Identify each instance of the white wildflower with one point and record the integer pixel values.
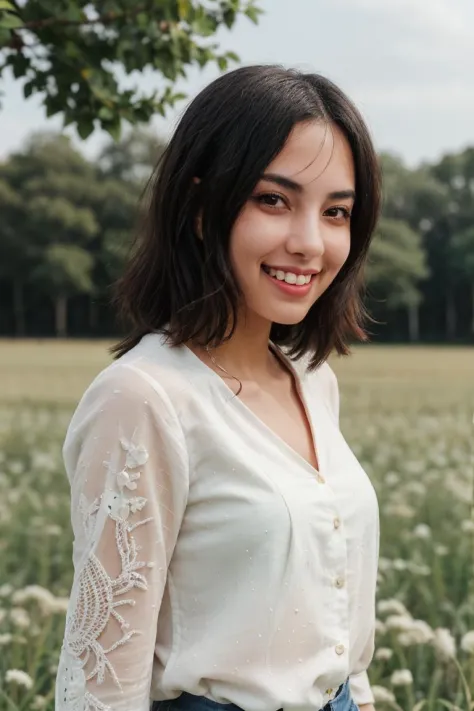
(383, 654)
(382, 694)
(416, 487)
(16, 466)
(38, 703)
(467, 526)
(19, 617)
(393, 606)
(385, 564)
(60, 605)
(400, 564)
(444, 643)
(401, 677)
(441, 550)
(16, 676)
(418, 569)
(399, 622)
(5, 639)
(400, 510)
(6, 590)
(380, 627)
(53, 530)
(422, 531)
(467, 642)
(42, 596)
(420, 633)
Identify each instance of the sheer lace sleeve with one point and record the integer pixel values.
(127, 464)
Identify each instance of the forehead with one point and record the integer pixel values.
(318, 156)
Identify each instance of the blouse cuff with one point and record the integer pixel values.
(360, 689)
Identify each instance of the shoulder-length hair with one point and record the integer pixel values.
(184, 286)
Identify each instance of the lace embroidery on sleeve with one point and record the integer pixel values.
(94, 598)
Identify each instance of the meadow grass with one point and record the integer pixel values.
(408, 415)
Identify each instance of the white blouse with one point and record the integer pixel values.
(209, 556)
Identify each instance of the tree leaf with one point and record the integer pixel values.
(253, 14)
(28, 88)
(10, 22)
(6, 5)
(114, 129)
(85, 128)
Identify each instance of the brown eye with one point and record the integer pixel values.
(338, 213)
(270, 200)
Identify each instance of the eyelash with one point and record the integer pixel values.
(261, 200)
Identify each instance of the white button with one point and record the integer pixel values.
(337, 522)
(321, 479)
(339, 582)
(340, 649)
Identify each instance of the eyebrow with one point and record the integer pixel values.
(290, 184)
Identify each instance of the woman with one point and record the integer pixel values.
(226, 538)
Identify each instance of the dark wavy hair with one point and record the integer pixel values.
(185, 287)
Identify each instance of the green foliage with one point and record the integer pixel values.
(65, 269)
(463, 248)
(64, 219)
(397, 264)
(73, 52)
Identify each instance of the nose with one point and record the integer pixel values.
(306, 238)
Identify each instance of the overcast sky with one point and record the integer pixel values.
(408, 64)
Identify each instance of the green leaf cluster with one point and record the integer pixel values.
(74, 52)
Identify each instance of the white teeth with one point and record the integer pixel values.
(289, 277)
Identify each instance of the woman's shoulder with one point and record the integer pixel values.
(152, 371)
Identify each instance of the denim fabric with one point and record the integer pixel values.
(188, 702)
(343, 700)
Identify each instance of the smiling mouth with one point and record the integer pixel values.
(288, 277)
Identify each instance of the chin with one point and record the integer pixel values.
(287, 317)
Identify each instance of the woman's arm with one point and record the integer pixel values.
(126, 460)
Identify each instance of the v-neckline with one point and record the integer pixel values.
(283, 444)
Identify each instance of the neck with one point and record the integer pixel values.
(246, 354)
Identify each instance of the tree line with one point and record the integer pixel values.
(66, 226)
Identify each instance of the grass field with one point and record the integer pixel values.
(407, 413)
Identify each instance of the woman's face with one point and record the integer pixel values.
(293, 235)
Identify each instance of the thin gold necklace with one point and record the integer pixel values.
(220, 367)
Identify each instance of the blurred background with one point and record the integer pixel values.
(90, 93)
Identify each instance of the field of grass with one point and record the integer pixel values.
(408, 415)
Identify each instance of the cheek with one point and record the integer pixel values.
(337, 251)
(255, 234)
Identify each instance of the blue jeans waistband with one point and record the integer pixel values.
(189, 702)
